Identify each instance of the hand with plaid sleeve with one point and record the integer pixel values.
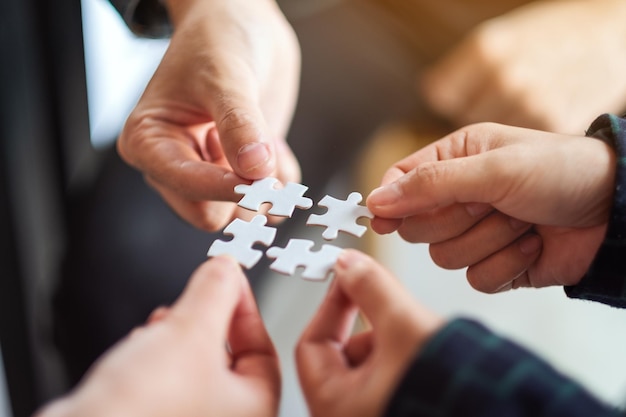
(518, 207)
(411, 364)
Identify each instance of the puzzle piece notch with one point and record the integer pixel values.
(245, 234)
(317, 265)
(284, 200)
(341, 216)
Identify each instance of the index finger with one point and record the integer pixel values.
(468, 141)
(243, 131)
(456, 169)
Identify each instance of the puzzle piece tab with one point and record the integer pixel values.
(284, 200)
(341, 216)
(317, 265)
(245, 234)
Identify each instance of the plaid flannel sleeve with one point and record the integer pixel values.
(145, 18)
(605, 281)
(466, 370)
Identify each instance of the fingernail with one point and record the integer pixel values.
(227, 258)
(253, 156)
(347, 258)
(386, 195)
(477, 209)
(506, 287)
(530, 244)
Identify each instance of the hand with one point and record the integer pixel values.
(217, 109)
(344, 375)
(548, 65)
(179, 365)
(519, 207)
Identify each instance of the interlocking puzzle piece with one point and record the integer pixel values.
(245, 234)
(284, 200)
(317, 265)
(341, 216)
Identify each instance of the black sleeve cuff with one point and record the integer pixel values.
(605, 281)
(466, 370)
(145, 18)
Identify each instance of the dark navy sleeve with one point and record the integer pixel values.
(145, 18)
(606, 279)
(468, 371)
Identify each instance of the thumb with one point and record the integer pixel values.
(456, 169)
(436, 184)
(211, 297)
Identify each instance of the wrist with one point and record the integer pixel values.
(92, 401)
(605, 280)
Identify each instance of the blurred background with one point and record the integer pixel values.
(83, 269)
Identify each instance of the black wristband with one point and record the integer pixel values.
(605, 281)
(145, 18)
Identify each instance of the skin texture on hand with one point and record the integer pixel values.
(355, 375)
(550, 65)
(217, 109)
(518, 207)
(179, 365)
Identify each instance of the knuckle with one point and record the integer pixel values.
(474, 281)
(479, 281)
(126, 139)
(409, 235)
(441, 256)
(234, 118)
(489, 41)
(300, 352)
(429, 174)
(136, 132)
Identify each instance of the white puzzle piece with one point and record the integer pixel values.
(284, 200)
(341, 216)
(245, 234)
(317, 265)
